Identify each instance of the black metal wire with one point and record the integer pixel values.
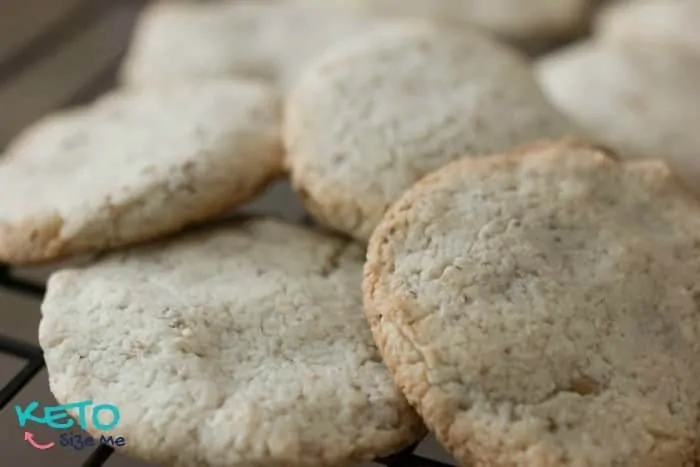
(395, 459)
(407, 458)
(19, 285)
(21, 379)
(99, 456)
(77, 20)
(414, 460)
(19, 349)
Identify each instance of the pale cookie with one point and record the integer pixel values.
(245, 344)
(265, 40)
(531, 22)
(540, 308)
(376, 113)
(642, 102)
(673, 22)
(135, 165)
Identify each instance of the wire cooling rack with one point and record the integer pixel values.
(79, 19)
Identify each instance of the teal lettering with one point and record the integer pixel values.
(53, 414)
(58, 417)
(105, 426)
(82, 413)
(24, 415)
(120, 441)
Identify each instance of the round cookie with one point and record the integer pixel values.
(265, 40)
(673, 22)
(540, 308)
(375, 113)
(135, 165)
(642, 102)
(528, 23)
(246, 344)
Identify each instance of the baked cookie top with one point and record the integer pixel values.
(541, 308)
(375, 113)
(641, 101)
(175, 42)
(135, 165)
(673, 22)
(245, 343)
(514, 20)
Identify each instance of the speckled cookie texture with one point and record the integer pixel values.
(246, 344)
(135, 165)
(375, 113)
(176, 42)
(641, 101)
(526, 23)
(540, 308)
(673, 22)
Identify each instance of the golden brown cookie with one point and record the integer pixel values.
(375, 113)
(540, 308)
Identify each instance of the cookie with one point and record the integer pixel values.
(175, 42)
(246, 343)
(377, 112)
(135, 165)
(540, 308)
(531, 24)
(673, 22)
(641, 102)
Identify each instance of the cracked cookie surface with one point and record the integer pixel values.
(540, 308)
(374, 114)
(244, 342)
(135, 165)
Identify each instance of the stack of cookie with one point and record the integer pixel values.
(480, 268)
